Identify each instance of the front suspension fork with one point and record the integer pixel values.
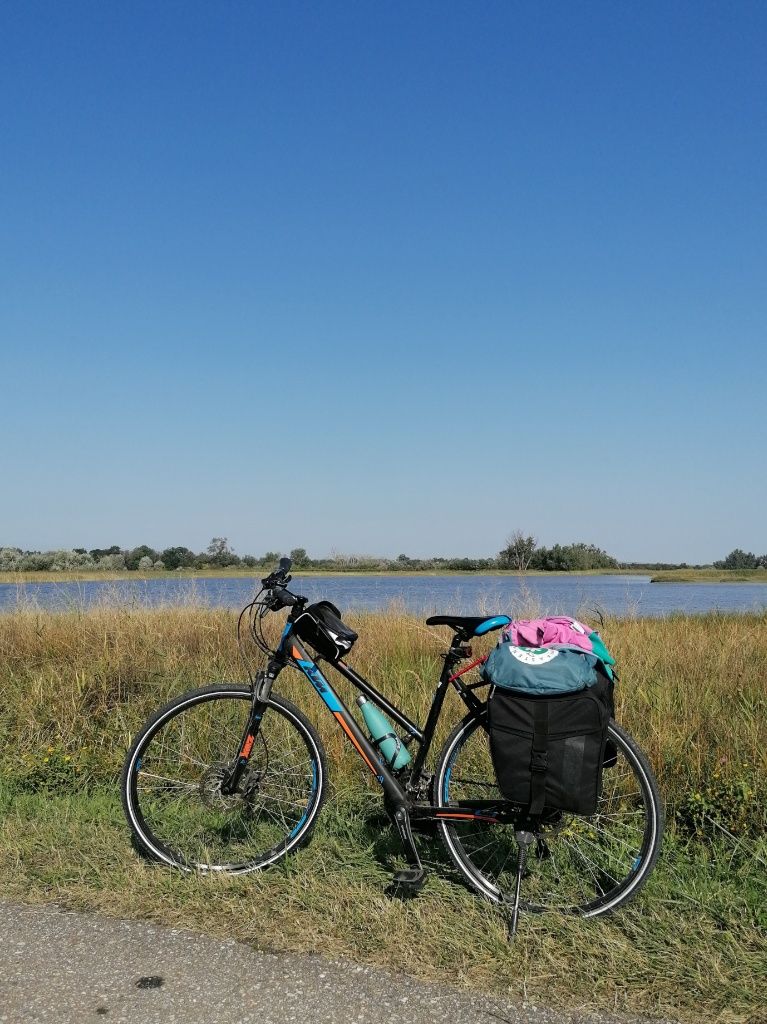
(261, 691)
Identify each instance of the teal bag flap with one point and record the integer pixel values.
(541, 671)
(602, 653)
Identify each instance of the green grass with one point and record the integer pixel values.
(710, 576)
(693, 946)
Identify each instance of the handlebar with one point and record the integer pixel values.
(280, 577)
(283, 599)
(276, 583)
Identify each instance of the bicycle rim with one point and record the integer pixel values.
(172, 783)
(586, 866)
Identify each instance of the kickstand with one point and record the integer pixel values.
(410, 881)
(524, 839)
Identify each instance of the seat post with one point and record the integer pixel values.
(454, 654)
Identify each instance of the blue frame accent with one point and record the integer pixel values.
(320, 684)
(448, 773)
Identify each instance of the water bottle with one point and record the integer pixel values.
(394, 751)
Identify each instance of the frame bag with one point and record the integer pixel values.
(549, 751)
(320, 625)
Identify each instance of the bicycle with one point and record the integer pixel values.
(232, 778)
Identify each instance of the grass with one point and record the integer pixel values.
(711, 576)
(78, 685)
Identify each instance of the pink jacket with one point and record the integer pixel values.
(546, 632)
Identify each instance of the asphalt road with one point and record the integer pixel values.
(64, 967)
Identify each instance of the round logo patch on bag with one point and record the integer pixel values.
(532, 655)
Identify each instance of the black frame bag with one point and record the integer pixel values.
(320, 625)
(548, 752)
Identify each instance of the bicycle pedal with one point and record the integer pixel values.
(407, 883)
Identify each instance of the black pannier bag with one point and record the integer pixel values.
(320, 625)
(548, 752)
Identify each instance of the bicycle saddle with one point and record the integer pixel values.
(471, 625)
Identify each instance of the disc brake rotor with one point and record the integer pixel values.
(247, 788)
(210, 790)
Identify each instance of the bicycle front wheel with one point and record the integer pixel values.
(578, 865)
(172, 782)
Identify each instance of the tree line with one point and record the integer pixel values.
(739, 559)
(521, 553)
(143, 558)
(218, 555)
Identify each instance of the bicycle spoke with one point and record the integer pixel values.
(184, 763)
(579, 863)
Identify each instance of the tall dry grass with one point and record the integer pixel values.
(77, 685)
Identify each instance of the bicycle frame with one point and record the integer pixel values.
(292, 651)
(398, 798)
(606, 858)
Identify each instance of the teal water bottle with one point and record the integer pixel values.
(386, 740)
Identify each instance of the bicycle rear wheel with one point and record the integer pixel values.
(171, 784)
(587, 866)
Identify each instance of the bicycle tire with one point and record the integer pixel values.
(585, 866)
(171, 792)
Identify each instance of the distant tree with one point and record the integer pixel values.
(220, 553)
(10, 559)
(404, 559)
(111, 563)
(249, 561)
(134, 556)
(572, 558)
(97, 553)
(465, 564)
(519, 551)
(299, 557)
(738, 559)
(177, 558)
(271, 557)
(67, 559)
(219, 546)
(145, 563)
(159, 564)
(32, 561)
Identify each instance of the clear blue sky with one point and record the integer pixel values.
(384, 277)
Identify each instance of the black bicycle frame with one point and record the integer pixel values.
(396, 796)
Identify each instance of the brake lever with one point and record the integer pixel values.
(276, 579)
(280, 599)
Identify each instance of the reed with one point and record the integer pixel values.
(78, 685)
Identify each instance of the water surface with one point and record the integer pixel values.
(422, 595)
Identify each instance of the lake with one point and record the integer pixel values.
(422, 595)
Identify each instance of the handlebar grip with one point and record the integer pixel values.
(282, 599)
(279, 575)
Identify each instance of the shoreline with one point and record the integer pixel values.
(45, 576)
(758, 576)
